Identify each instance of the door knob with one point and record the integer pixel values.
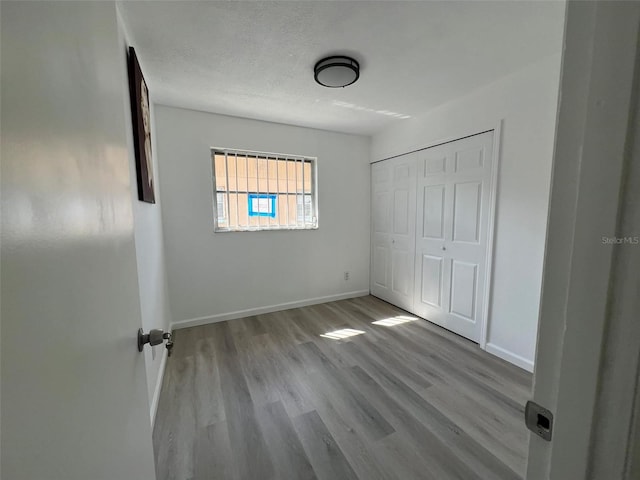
(444, 248)
(155, 337)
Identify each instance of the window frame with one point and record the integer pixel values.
(271, 156)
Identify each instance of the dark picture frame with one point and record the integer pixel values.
(141, 119)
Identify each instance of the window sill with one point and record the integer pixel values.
(278, 229)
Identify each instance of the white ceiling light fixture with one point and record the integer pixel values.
(336, 71)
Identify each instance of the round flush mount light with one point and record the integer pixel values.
(336, 71)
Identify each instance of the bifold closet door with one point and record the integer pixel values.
(393, 192)
(453, 195)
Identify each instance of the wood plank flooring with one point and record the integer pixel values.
(267, 397)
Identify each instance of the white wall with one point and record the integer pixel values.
(217, 274)
(150, 258)
(527, 101)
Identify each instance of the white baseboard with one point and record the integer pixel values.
(221, 317)
(156, 391)
(509, 356)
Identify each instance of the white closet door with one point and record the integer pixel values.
(381, 192)
(453, 194)
(393, 229)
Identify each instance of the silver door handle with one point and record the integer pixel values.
(155, 337)
(444, 248)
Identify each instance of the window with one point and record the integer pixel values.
(304, 209)
(263, 191)
(262, 205)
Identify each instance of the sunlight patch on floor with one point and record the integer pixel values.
(390, 322)
(341, 334)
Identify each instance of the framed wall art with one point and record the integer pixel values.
(141, 119)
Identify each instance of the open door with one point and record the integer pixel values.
(74, 394)
(588, 349)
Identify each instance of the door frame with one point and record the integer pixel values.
(491, 227)
(587, 357)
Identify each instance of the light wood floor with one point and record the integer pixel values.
(267, 397)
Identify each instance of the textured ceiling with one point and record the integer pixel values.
(255, 59)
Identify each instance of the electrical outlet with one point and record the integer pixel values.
(346, 276)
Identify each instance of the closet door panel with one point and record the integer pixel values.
(454, 182)
(381, 219)
(393, 192)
